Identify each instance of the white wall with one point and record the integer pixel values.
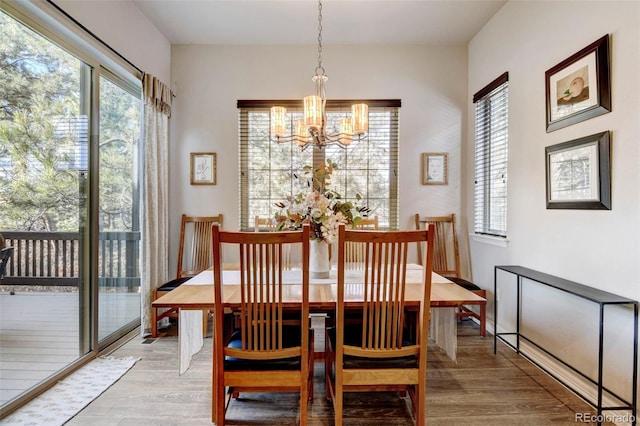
(208, 80)
(598, 248)
(123, 27)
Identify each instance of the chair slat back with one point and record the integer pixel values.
(262, 290)
(292, 253)
(261, 296)
(370, 223)
(292, 256)
(384, 284)
(354, 254)
(5, 254)
(446, 257)
(264, 224)
(194, 253)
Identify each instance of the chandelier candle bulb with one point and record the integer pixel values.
(279, 121)
(313, 111)
(360, 117)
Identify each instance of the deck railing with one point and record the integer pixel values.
(52, 259)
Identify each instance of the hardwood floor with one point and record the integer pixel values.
(480, 389)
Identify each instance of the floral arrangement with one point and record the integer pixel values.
(321, 207)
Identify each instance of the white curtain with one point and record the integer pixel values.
(155, 220)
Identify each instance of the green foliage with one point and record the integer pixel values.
(43, 140)
(119, 134)
(39, 84)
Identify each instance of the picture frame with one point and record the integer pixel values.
(578, 173)
(579, 88)
(203, 168)
(435, 168)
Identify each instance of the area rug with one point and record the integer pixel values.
(64, 400)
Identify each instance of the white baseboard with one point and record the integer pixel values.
(574, 382)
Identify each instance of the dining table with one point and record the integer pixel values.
(195, 296)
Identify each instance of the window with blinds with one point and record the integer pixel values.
(271, 171)
(492, 137)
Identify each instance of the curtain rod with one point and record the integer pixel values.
(94, 36)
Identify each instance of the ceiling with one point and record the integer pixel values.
(250, 22)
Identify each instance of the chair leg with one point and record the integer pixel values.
(337, 404)
(304, 400)
(154, 318)
(420, 389)
(205, 322)
(328, 365)
(464, 311)
(219, 403)
(483, 314)
(312, 364)
(420, 404)
(333, 383)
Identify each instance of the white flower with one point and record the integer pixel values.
(324, 210)
(330, 226)
(323, 203)
(316, 214)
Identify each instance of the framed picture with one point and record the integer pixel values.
(434, 168)
(578, 88)
(203, 168)
(579, 173)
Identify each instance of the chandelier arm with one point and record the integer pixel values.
(320, 142)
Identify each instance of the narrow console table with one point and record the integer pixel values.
(602, 298)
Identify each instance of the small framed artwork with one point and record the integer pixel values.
(203, 168)
(579, 173)
(434, 168)
(579, 88)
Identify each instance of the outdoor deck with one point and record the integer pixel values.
(40, 334)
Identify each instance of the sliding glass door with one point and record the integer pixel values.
(44, 171)
(69, 207)
(118, 217)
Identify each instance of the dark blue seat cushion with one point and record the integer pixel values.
(353, 337)
(290, 339)
(173, 284)
(464, 283)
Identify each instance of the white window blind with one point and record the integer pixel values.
(269, 171)
(492, 137)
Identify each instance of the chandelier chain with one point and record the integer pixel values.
(320, 69)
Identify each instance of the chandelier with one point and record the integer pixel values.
(312, 130)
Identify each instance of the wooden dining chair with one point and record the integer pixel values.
(446, 262)
(5, 255)
(292, 255)
(367, 223)
(271, 349)
(264, 224)
(194, 256)
(376, 353)
(354, 254)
